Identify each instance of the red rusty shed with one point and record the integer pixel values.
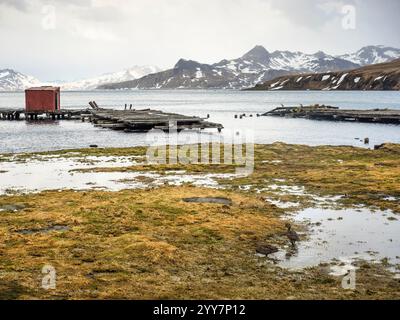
(42, 99)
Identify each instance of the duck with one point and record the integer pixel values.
(266, 249)
(291, 234)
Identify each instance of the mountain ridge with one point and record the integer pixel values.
(255, 66)
(372, 55)
(11, 80)
(381, 76)
(131, 73)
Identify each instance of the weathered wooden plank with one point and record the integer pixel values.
(129, 120)
(147, 119)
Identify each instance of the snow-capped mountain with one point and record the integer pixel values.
(11, 80)
(263, 64)
(124, 75)
(259, 59)
(256, 66)
(372, 55)
(381, 76)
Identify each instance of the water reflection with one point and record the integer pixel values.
(343, 235)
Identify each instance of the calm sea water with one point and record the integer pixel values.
(221, 105)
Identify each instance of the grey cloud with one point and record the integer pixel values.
(95, 37)
(21, 5)
(26, 5)
(309, 13)
(101, 14)
(379, 13)
(315, 13)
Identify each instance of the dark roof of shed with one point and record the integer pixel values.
(44, 88)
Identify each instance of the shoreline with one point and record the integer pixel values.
(144, 241)
(222, 107)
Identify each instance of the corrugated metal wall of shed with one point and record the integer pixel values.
(42, 99)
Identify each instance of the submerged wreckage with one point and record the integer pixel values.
(131, 120)
(44, 103)
(128, 119)
(318, 112)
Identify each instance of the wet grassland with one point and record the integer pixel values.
(146, 240)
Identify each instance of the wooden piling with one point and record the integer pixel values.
(127, 120)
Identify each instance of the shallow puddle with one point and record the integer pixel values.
(50, 173)
(283, 204)
(44, 230)
(287, 189)
(343, 235)
(11, 207)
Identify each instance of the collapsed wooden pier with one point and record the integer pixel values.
(330, 113)
(128, 120)
(146, 120)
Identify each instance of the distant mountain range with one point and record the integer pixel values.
(125, 75)
(382, 76)
(11, 80)
(256, 66)
(372, 55)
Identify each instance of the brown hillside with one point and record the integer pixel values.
(383, 76)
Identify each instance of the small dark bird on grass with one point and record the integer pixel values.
(292, 235)
(266, 249)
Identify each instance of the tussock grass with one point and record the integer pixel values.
(143, 244)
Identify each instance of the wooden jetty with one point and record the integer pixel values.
(131, 120)
(330, 113)
(128, 120)
(21, 114)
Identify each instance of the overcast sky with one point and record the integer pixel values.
(68, 40)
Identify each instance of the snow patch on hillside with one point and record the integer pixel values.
(11, 80)
(120, 76)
